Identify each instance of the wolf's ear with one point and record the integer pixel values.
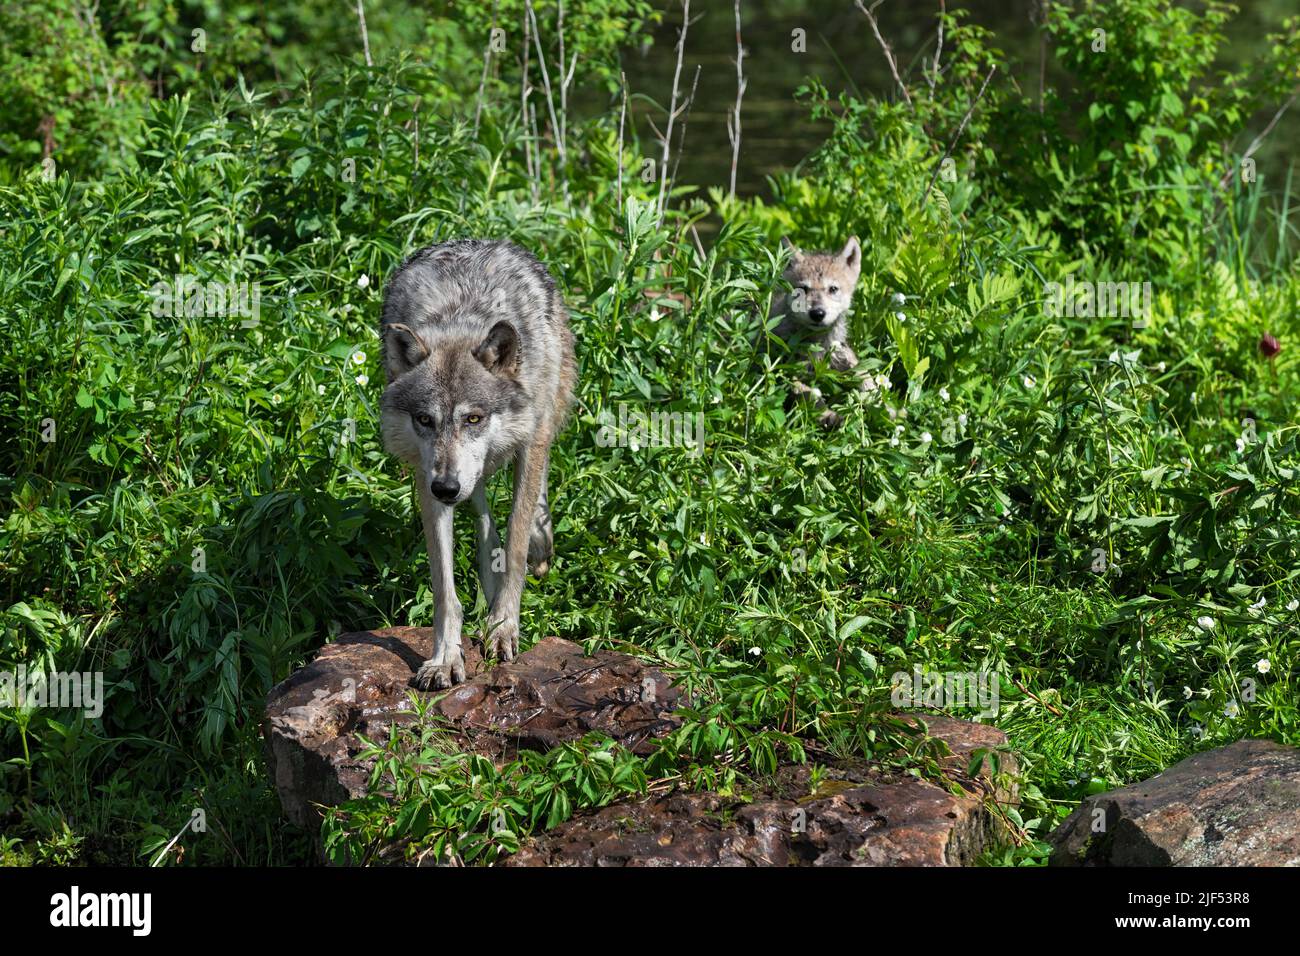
(499, 352)
(403, 348)
(852, 253)
(795, 254)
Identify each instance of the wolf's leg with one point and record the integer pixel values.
(503, 619)
(487, 545)
(829, 418)
(447, 665)
(541, 540)
(843, 358)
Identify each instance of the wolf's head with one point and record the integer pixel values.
(453, 408)
(821, 283)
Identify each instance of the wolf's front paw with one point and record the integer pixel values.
(830, 419)
(503, 639)
(439, 674)
(843, 358)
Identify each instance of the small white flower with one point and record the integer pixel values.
(1231, 709)
(755, 652)
(1193, 398)
(1187, 692)
(901, 316)
(926, 438)
(961, 419)
(1241, 445)
(1030, 381)
(1260, 604)
(363, 379)
(358, 357)
(363, 282)
(882, 380)
(1293, 604)
(1160, 367)
(943, 394)
(320, 389)
(1197, 731)
(899, 298)
(277, 398)
(1263, 666)
(1205, 623)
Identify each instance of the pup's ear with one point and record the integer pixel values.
(795, 254)
(403, 348)
(499, 352)
(852, 253)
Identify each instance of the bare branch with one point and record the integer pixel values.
(365, 35)
(622, 115)
(546, 83)
(487, 59)
(938, 49)
(1259, 140)
(672, 111)
(960, 129)
(889, 54)
(733, 121)
(681, 140)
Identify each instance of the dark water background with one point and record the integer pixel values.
(843, 53)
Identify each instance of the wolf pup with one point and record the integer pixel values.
(479, 360)
(814, 311)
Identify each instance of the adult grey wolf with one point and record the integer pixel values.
(479, 360)
(814, 311)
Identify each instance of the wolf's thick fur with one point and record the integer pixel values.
(480, 367)
(814, 312)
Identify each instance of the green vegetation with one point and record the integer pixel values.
(1047, 494)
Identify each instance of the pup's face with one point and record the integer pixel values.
(821, 284)
(456, 412)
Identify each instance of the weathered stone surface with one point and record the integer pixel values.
(359, 685)
(860, 817)
(1237, 805)
(552, 693)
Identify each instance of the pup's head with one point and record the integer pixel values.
(822, 283)
(454, 410)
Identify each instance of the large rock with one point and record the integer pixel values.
(360, 685)
(859, 816)
(1237, 805)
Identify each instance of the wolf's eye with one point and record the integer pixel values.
(473, 419)
(424, 420)
(834, 290)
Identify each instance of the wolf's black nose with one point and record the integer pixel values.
(445, 489)
(816, 314)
